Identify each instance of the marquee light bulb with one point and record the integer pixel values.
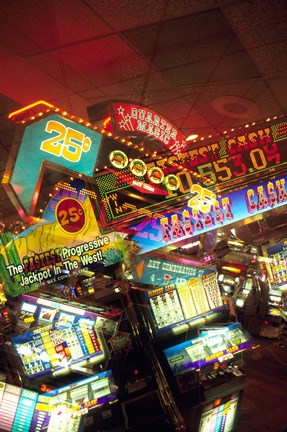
(192, 137)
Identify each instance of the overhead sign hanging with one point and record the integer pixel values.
(51, 142)
(176, 225)
(66, 243)
(127, 118)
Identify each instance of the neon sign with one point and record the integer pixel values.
(176, 225)
(239, 157)
(54, 141)
(129, 117)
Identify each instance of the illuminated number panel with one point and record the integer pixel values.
(231, 161)
(243, 156)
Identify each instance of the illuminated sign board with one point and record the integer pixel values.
(176, 225)
(158, 272)
(255, 150)
(128, 185)
(53, 141)
(129, 117)
(69, 219)
(62, 143)
(125, 197)
(235, 158)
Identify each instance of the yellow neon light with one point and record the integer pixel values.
(40, 102)
(105, 122)
(231, 269)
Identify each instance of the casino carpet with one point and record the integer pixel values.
(264, 402)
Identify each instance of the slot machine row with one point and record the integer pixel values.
(66, 407)
(60, 341)
(54, 344)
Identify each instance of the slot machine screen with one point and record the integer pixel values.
(101, 388)
(47, 315)
(76, 399)
(88, 393)
(220, 415)
(184, 301)
(211, 346)
(66, 320)
(55, 349)
(275, 300)
(49, 416)
(49, 309)
(63, 418)
(27, 313)
(16, 408)
(275, 303)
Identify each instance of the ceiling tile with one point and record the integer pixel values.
(124, 14)
(189, 39)
(54, 68)
(55, 23)
(104, 61)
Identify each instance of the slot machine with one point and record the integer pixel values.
(207, 369)
(175, 296)
(58, 342)
(69, 407)
(186, 325)
(275, 305)
(218, 414)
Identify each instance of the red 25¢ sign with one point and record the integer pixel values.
(70, 215)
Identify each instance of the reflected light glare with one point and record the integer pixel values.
(192, 137)
(190, 245)
(239, 302)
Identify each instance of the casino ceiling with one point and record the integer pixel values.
(206, 65)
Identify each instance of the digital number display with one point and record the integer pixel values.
(124, 195)
(241, 156)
